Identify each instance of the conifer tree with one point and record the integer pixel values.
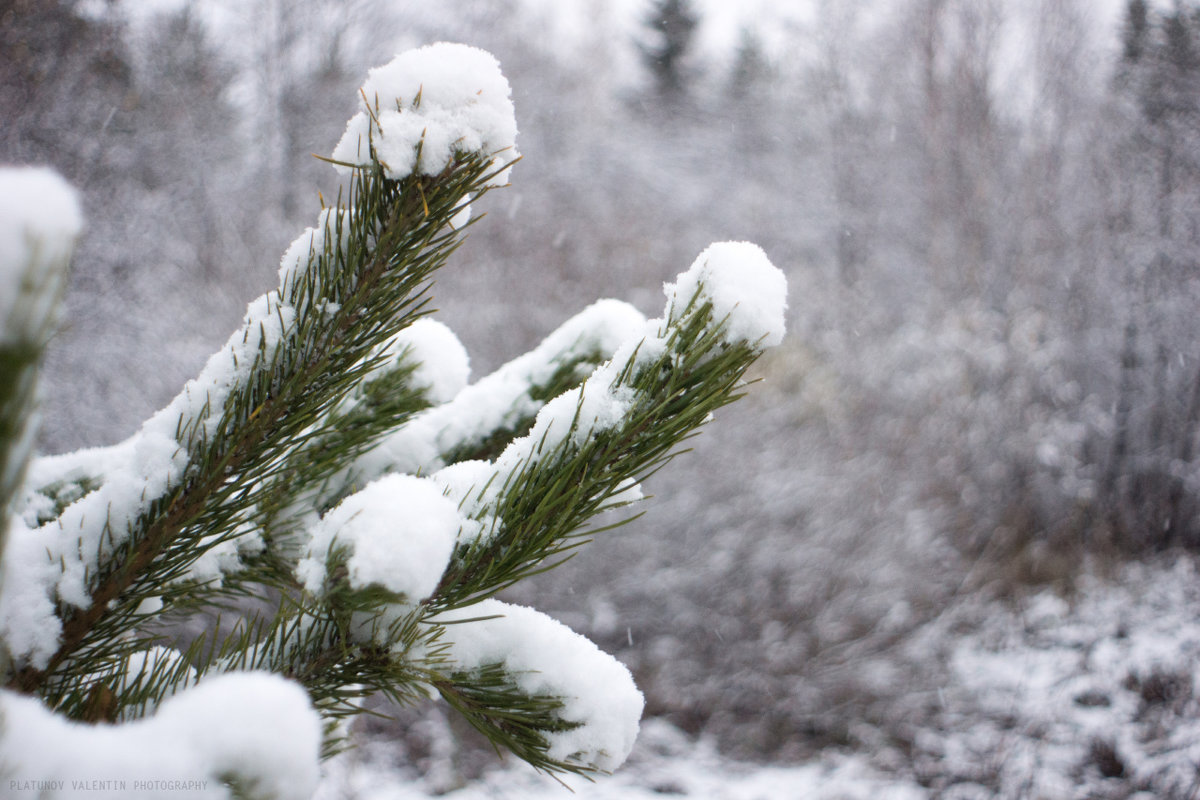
(672, 27)
(331, 457)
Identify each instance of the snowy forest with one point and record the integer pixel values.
(945, 545)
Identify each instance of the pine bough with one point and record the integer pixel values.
(331, 458)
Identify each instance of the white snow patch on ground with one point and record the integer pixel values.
(664, 764)
(1091, 694)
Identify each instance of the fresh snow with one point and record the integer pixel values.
(665, 763)
(459, 101)
(1038, 697)
(54, 561)
(546, 658)
(40, 220)
(1043, 696)
(430, 104)
(502, 398)
(303, 252)
(257, 727)
(223, 556)
(577, 414)
(1047, 694)
(747, 299)
(400, 532)
(442, 362)
(746, 290)
(39, 223)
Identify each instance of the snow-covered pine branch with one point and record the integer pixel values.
(39, 222)
(333, 453)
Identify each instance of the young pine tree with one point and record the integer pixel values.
(331, 459)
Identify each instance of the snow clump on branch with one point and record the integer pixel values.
(747, 292)
(256, 728)
(400, 532)
(546, 658)
(39, 222)
(428, 105)
(442, 363)
(501, 399)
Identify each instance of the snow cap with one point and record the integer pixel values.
(400, 531)
(443, 365)
(40, 220)
(546, 658)
(746, 290)
(443, 99)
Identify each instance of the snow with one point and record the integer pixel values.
(749, 299)
(1034, 688)
(469, 484)
(87, 464)
(463, 479)
(746, 291)
(429, 105)
(400, 531)
(546, 658)
(664, 763)
(28, 624)
(133, 475)
(309, 246)
(139, 667)
(39, 223)
(257, 728)
(40, 219)
(223, 556)
(578, 414)
(55, 561)
(503, 398)
(442, 362)
(1031, 692)
(747, 296)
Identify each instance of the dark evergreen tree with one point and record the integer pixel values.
(672, 27)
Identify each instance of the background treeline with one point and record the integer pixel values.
(990, 216)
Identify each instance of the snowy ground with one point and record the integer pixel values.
(1092, 695)
(1085, 695)
(664, 764)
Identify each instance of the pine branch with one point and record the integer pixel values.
(511, 719)
(377, 281)
(556, 487)
(39, 239)
(482, 419)
(311, 462)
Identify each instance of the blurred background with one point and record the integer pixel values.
(987, 211)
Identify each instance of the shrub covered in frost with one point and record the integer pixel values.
(332, 456)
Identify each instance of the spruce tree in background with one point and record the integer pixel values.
(672, 25)
(331, 456)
